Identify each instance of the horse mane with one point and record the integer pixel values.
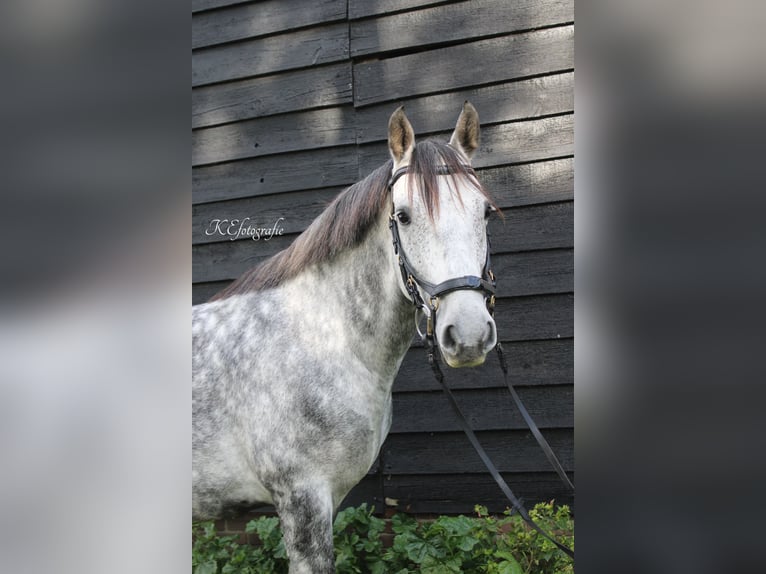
(349, 217)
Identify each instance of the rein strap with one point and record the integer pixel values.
(486, 284)
(516, 504)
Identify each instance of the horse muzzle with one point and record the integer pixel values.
(465, 333)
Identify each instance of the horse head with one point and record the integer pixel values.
(439, 220)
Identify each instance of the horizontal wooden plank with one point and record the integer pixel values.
(544, 226)
(200, 5)
(337, 166)
(250, 20)
(364, 8)
(526, 141)
(211, 261)
(534, 272)
(538, 317)
(475, 63)
(459, 493)
(455, 22)
(536, 227)
(501, 144)
(546, 95)
(295, 210)
(451, 453)
(484, 409)
(320, 86)
(298, 131)
(263, 56)
(530, 183)
(549, 362)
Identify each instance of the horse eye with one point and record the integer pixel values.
(488, 211)
(402, 217)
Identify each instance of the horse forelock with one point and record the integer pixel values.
(349, 217)
(428, 160)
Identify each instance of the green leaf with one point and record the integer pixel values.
(466, 544)
(510, 567)
(209, 567)
(416, 551)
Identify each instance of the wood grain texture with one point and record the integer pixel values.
(484, 409)
(319, 86)
(538, 317)
(499, 103)
(200, 5)
(242, 21)
(314, 129)
(418, 29)
(263, 56)
(364, 8)
(545, 226)
(534, 272)
(531, 183)
(337, 166)
(501, 144)
(451, 453)
(475, 63)
(297, 209)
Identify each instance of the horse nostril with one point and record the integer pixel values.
(449, 340)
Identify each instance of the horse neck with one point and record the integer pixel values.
(358, 291)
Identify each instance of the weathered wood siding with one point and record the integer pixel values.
(290, 103)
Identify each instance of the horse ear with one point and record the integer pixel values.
(401, 137)
(466, 135)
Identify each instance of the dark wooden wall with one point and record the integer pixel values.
(290, 104)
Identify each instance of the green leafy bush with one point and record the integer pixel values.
(464, 545)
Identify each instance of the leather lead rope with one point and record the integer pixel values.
(517, 504)
(531, 423)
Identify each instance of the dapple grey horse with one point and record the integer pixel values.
(294, 362)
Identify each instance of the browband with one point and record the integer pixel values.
(440, 170)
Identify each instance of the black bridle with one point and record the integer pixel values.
(413, 283)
